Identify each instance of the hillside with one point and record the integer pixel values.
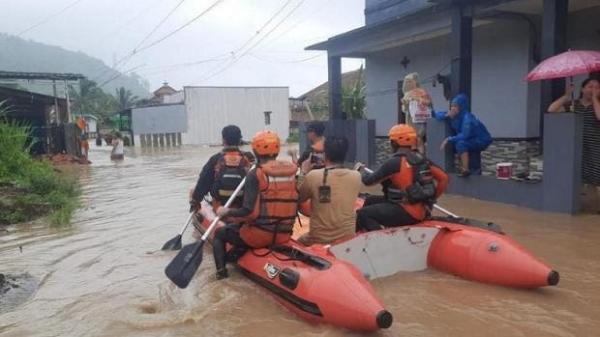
(17, 54)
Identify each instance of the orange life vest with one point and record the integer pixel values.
(278, 197)
(405, 182)
(272, 220)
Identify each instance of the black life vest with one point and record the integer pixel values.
(413, 186)
(231, 167)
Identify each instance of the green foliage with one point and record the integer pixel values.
(294, 136)
(353, 98)
(125, 99)
(90, 99)
(30, 188)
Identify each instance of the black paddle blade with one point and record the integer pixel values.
(173, 244)
(182, 268)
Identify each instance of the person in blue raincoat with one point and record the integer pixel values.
(470, 135)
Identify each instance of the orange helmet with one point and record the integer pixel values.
(266, 143)
(403, 135)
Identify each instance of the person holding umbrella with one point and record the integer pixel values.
(566, 65)
(587, 105)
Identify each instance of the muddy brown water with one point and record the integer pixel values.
(103, 275)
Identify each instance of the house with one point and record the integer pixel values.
(48, 116)
(314, 103)
(197, 115)
(485, 48)
(160, 93)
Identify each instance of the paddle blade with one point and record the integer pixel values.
(182, 268)
(173, 244)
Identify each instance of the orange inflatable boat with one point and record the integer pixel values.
(312, 283)
(470, 249)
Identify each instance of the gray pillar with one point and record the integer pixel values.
(334, 66)
(168, 139)
(161, 139)
(178, 138)
(155, 140)
(437, 131)
(461, 49)
(554, 41)
(562, 164)
(59, 119)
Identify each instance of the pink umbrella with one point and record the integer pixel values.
(567, 64)
(570, 63)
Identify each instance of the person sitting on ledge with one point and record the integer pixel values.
(470, 138)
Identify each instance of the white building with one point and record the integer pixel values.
(92, 125)
(209, 109)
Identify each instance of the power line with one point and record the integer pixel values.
(138, 50)
(133, 19)
(159, 24)
(263, 26)
(204, 12)
(287, 61)
(127, 57)
(255, 44)
(173, 67)
(119, 75)
(221, 57)
(258, 31)
(48, 18)
(297, 23)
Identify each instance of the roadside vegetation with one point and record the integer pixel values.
(30, 188)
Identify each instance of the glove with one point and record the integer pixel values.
(359, 166)
(194, 205)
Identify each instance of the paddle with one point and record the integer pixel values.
(184, 265)
(175, 243)
(439, 208)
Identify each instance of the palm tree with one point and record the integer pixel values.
(125, 99)
(90, 99)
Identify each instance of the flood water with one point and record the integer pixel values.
(103, 275)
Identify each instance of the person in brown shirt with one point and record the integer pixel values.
(332, 191)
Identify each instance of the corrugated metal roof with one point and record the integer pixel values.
(40, 76)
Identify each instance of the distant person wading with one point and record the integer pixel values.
(118, 151)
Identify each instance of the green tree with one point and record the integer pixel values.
(90, 99)
(353, 98)
(125, 99)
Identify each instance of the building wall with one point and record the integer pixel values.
(92, 125)
(209, 109)
(177, 97)
(501, 52)
(159, 119)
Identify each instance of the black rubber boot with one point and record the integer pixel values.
(222, 274)
(235, 253)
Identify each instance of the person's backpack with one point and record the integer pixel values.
(230, 169)
(423, 186)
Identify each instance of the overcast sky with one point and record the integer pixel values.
(111, 29)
